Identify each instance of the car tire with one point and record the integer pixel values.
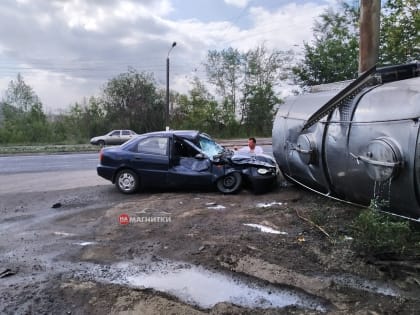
(127, 181)
(101, 143)
(230, 183)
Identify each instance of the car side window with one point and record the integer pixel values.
(115, 133)
(153, 145)
(126, 132)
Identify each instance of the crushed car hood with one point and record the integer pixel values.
(257, 160)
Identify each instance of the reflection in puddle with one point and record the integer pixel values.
(198, 286)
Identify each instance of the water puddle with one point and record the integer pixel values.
(59, 233)
(218, 207)
(84, 243)
(214, 206)
(270, 204)
(198, 286)
(265, 229)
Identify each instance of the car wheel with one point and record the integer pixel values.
(127, 181)
(101, 143)
(230, 183)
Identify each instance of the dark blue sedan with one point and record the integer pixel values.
(189, 159)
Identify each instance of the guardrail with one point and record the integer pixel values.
(230, 143)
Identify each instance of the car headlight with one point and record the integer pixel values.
(263, 171)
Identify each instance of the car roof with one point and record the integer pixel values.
(186, 134)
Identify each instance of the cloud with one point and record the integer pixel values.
(290, 24)
(68, 49)
(237, 3)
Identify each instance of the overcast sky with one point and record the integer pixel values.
(68, 49)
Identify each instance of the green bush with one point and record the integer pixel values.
(377, 233)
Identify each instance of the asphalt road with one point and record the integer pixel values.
(16, 164)
(48, 172)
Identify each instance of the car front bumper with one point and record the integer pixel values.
(261, 183)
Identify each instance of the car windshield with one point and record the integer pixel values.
(209, 147)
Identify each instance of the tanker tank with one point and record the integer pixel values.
(359, 145)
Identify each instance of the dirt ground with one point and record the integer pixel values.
(66, 252)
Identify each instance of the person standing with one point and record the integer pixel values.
(252, 147)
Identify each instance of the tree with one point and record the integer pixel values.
(94, 117)
(333, 54)
(23, 118)
(81, 122)
(131, 101)
(246, 80)
(198, 110)
(263, 71)
(261, 101)
(20, 95)
(399, 36)
(224, 71)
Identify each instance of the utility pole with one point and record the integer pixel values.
(370, 11)
(167, 88)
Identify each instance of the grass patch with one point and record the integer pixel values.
(48, 148)
(377, 233)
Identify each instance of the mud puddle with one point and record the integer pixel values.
(198, 286)
(194, 285)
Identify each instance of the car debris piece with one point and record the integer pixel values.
(7, 273)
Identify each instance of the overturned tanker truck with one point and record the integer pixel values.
(359, 145)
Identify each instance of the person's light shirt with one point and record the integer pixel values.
(248, 150)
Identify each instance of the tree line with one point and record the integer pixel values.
(246, 85)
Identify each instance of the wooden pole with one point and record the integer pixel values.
(370, 11)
